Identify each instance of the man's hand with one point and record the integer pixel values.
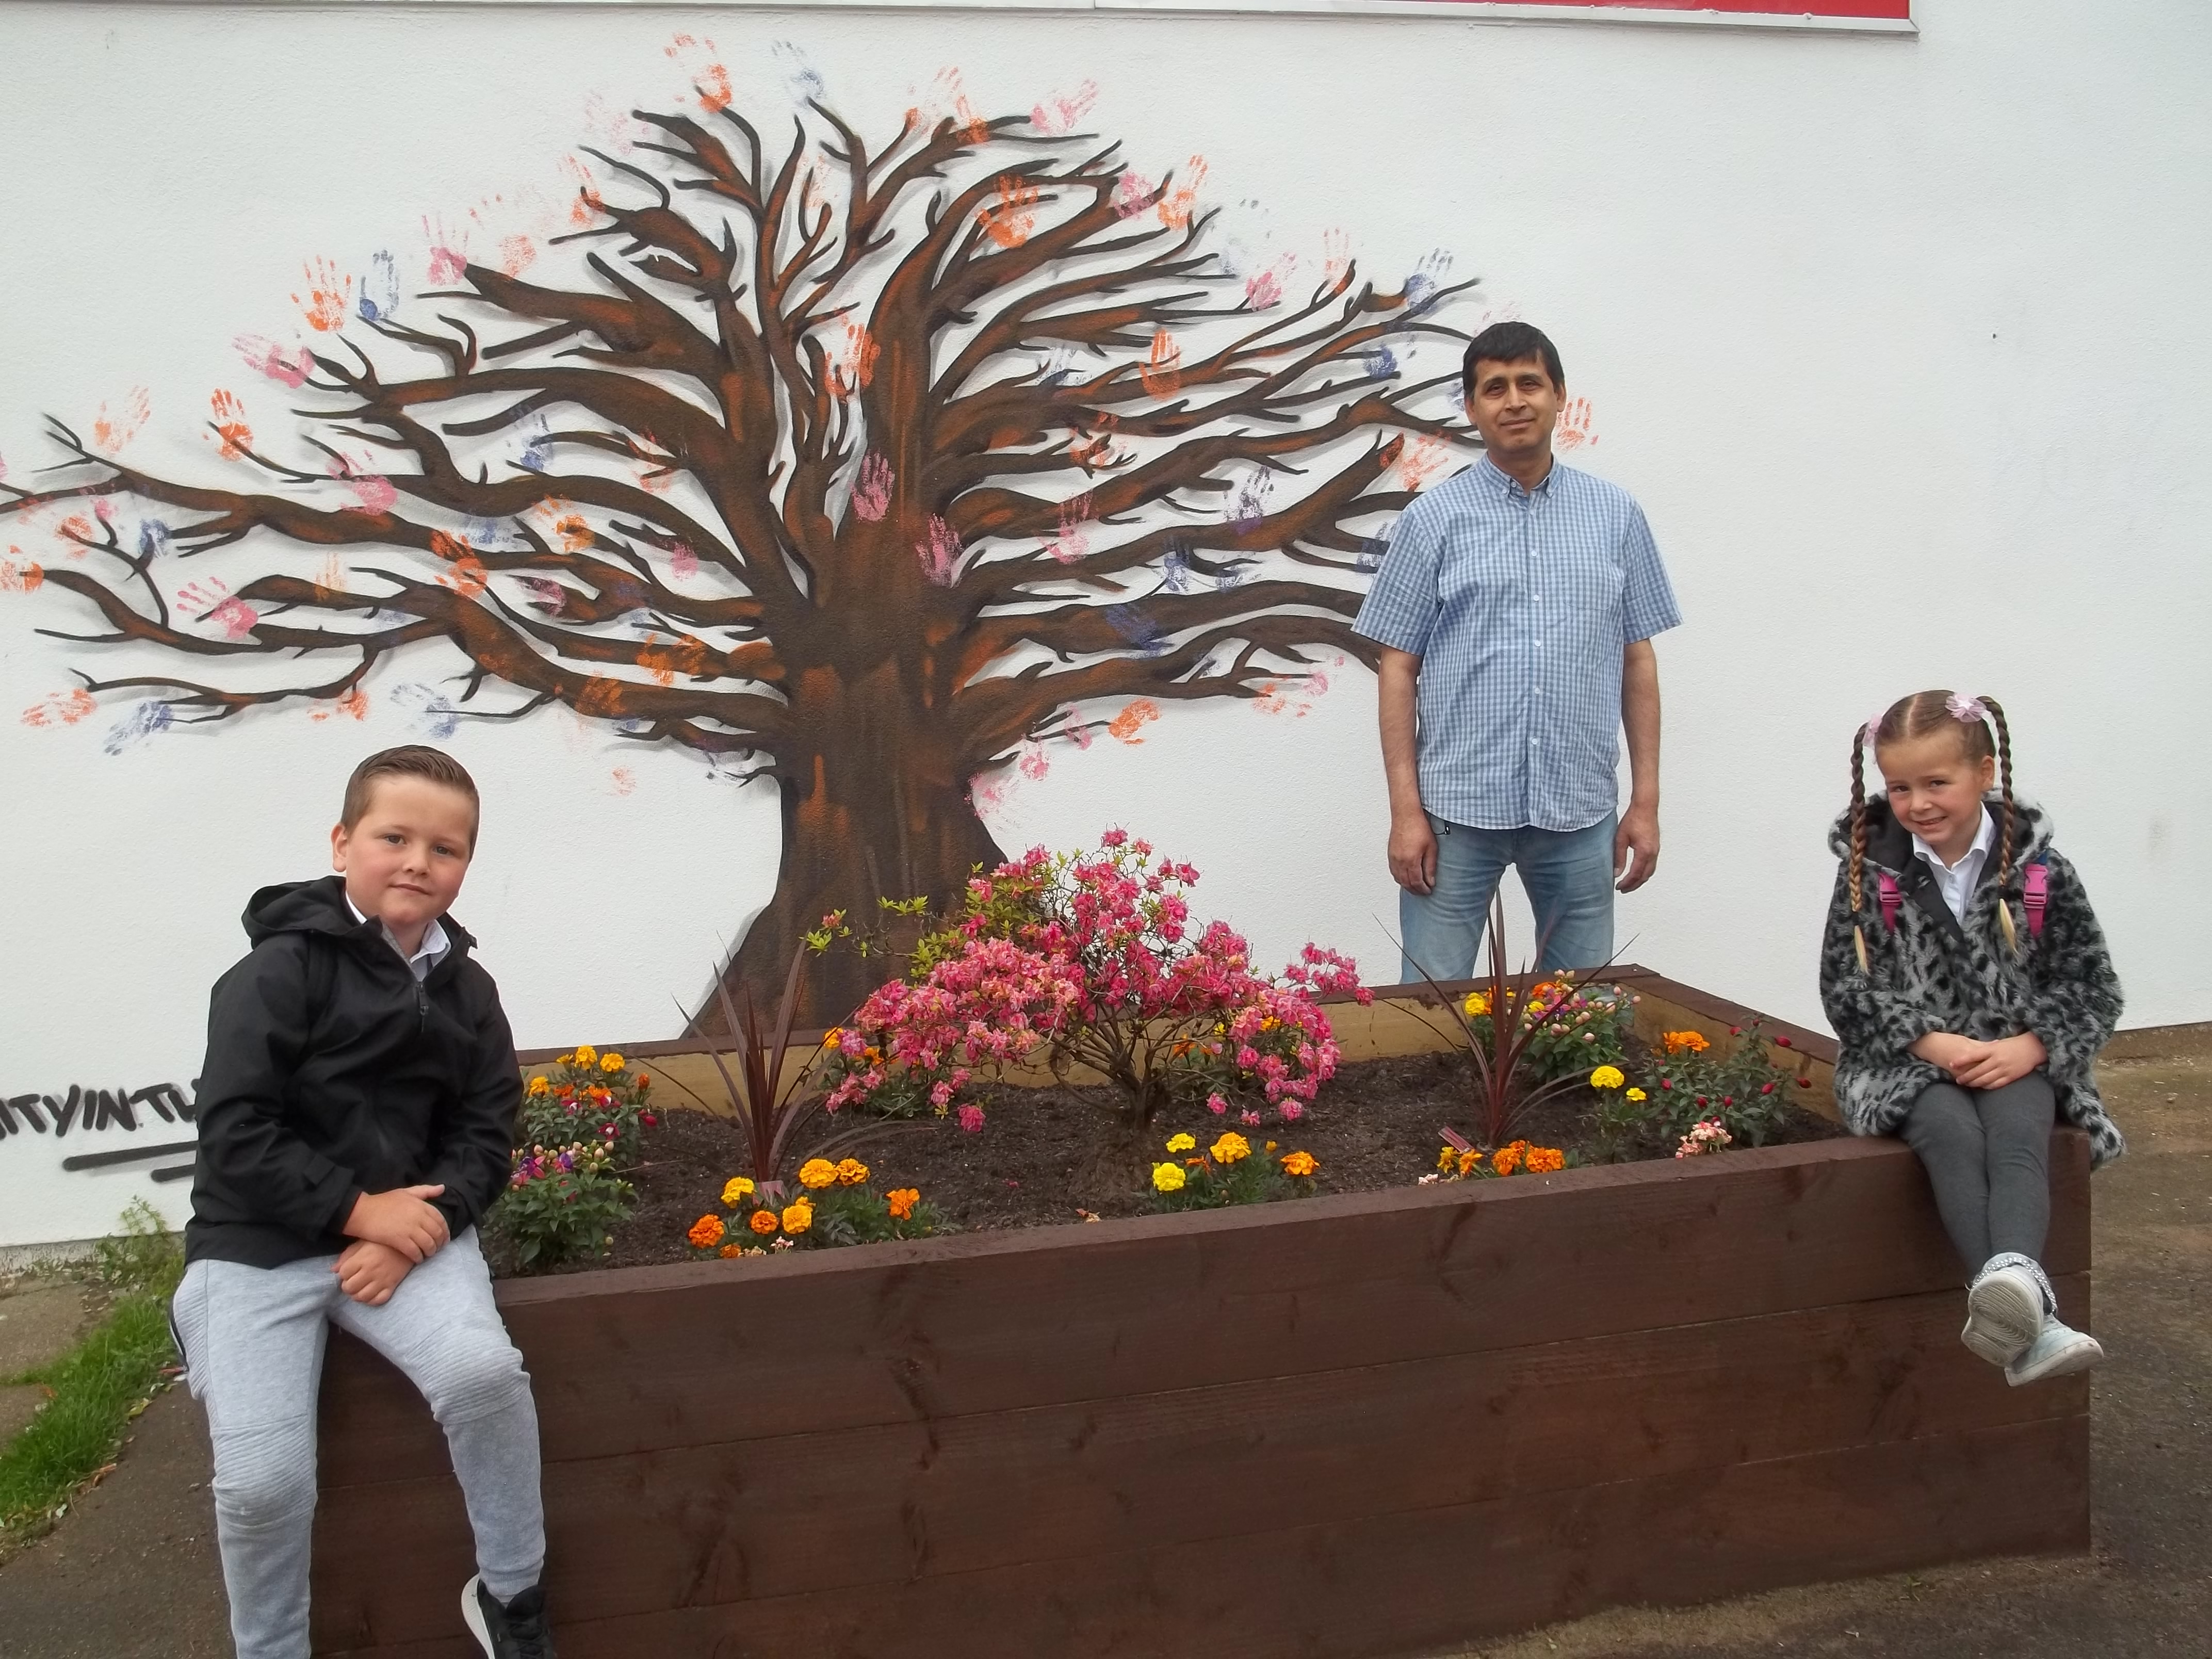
(1414, 853)
(1639, 835)
(402, 1220)
(1993, 1064)
(370, 1273)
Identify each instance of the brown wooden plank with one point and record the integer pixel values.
(884, 1505)
(645, 1359)
(1397, 1582)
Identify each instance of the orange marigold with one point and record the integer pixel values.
(706, 1232)
(763, 1221)
(728, 1250)
(1299, 1164)
(1685, 1042)
(1543, 1160)
(851, 1172)
(1506, 1159)
(901, 1201)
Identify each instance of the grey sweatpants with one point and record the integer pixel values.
(1987, 1152)
(252, 1340)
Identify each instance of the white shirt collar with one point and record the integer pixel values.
(427, 955)
(1958, 881)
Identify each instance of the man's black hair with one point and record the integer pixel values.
(1509, 343)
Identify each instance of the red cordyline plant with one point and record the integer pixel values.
(1500, 1030)
(771, 1110)
(1090, 960)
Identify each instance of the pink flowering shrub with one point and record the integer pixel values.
(1091, 960)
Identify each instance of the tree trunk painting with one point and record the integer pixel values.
(860, 472)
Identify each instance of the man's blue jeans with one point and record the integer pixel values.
(1568, 875)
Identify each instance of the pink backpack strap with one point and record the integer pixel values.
(2035, 896)
(1885, 887)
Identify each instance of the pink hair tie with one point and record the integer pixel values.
(1872, 729)
(1966, 708)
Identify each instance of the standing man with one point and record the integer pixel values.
(1516, 610)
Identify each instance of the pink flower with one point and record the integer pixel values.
(971, 1119)
(1251, 1118)
(1216, 1105)
(1291, 1111)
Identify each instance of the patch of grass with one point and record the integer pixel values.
(96, 1388)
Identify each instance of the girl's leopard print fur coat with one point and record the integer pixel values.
(1931, 974)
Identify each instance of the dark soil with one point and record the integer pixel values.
(1049, 1155)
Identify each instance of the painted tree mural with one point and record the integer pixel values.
(861, 471)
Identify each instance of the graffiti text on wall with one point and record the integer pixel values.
(93, 1110)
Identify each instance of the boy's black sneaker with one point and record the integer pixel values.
(517, 1631)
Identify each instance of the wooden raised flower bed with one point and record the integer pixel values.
(1369, 1423)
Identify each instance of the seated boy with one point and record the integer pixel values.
(355, 1114)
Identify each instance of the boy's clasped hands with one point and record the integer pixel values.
(392, 1233)
(1982, 1065)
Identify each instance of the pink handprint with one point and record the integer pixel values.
(871, 490)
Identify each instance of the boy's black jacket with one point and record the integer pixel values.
(331, 1072)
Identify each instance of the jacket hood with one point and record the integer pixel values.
(1889, 844)
(318, 907)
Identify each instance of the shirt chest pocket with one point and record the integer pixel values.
(1580, 593)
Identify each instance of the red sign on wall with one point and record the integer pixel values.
(1900, 10)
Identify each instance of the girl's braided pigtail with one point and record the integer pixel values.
(1858, 844)
(2005, 832)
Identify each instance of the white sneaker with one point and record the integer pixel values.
(2004, 1311)
(2060, 1350)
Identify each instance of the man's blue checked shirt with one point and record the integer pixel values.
(1519, 603)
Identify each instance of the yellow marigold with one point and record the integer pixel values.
(1685, 1042)
(1476, 1005)
(728, 1250)
(539, 1085)
(901, 1202)
(1167, 1177)
(829, 1037)
(763, 1221)
(1469, 1162)
(1506, 1159)
(1607, 1077)
(797, 1216)
(1231, 1147)
(1638, 1094)
(817, 1172)
(1299, 1164)
(1542, 1160)
(610, 1062)
(563, 1059)
(1182, 1143)
(737, 1187)
(851, 1172)
(1268, 1023)
(587, 1054)
(1446, 1158)
(706, 1232)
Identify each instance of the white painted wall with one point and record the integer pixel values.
(1899, 340)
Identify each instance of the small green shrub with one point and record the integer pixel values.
(562, 1204)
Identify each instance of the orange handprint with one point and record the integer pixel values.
(1179, 203)
(856, 362)
(19, 574)
(1336, 259)
(1009, 221)
(112, 432)
(1574, 428)
(329, 291)
(709, 79)
(1162, 373)
(230, 427)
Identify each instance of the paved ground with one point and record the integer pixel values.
(133, 1573)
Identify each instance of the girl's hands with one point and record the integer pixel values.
(1993, 1064)
(1982, 1065)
